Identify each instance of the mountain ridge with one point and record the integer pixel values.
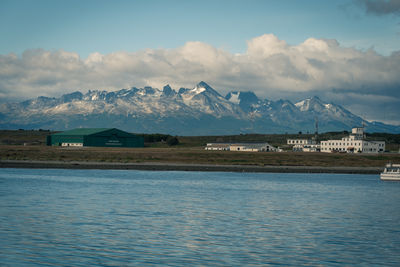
(200, 110)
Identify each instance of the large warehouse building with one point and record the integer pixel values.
(100, 137)
(354, 143)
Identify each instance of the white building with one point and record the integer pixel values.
(217, 146)
(354, 143)
(301, 142)
(304, 145)
(247, 147)
(252, 147)
(72, 144)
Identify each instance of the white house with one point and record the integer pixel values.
(304, 145)
(217, 146)
(354, 143)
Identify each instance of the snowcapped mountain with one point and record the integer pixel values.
(205, 99)
(197, 111)
(326, 112)
(245, 100)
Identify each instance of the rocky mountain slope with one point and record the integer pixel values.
(197, 111)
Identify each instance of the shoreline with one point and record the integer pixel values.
(32, 164)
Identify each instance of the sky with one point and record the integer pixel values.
(344, 51)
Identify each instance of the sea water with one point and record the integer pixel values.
(135, 218)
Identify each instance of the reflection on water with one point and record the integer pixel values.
(119, 218)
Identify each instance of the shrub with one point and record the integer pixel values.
(172, 141)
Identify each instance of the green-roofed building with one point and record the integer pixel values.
(99, 137)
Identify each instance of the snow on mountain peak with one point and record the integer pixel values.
(300, 103)
(234, 97)
(311, 104)
(145, 109)
(198, 90)
(204, 87)
(242, 96)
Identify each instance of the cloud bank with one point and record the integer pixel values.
(270, 67)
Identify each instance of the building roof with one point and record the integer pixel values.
(218, 144)
(84, 131)
(238, 144)
(249, 144)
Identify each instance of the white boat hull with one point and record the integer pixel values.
(391, 172)
(390, 176)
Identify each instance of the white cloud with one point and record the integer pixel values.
(270, 67)
(265, 46)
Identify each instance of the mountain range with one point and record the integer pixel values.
(189, 111)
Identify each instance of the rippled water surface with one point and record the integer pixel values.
(126, 218)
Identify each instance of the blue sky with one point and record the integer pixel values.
(108, 26)
(344, 51)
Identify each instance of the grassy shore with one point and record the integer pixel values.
(29, 145)
(184, 155)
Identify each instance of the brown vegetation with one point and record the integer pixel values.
(192, 156)
(30, 145)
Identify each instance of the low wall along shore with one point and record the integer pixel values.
(184, 167)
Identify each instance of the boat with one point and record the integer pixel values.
(391, 172)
